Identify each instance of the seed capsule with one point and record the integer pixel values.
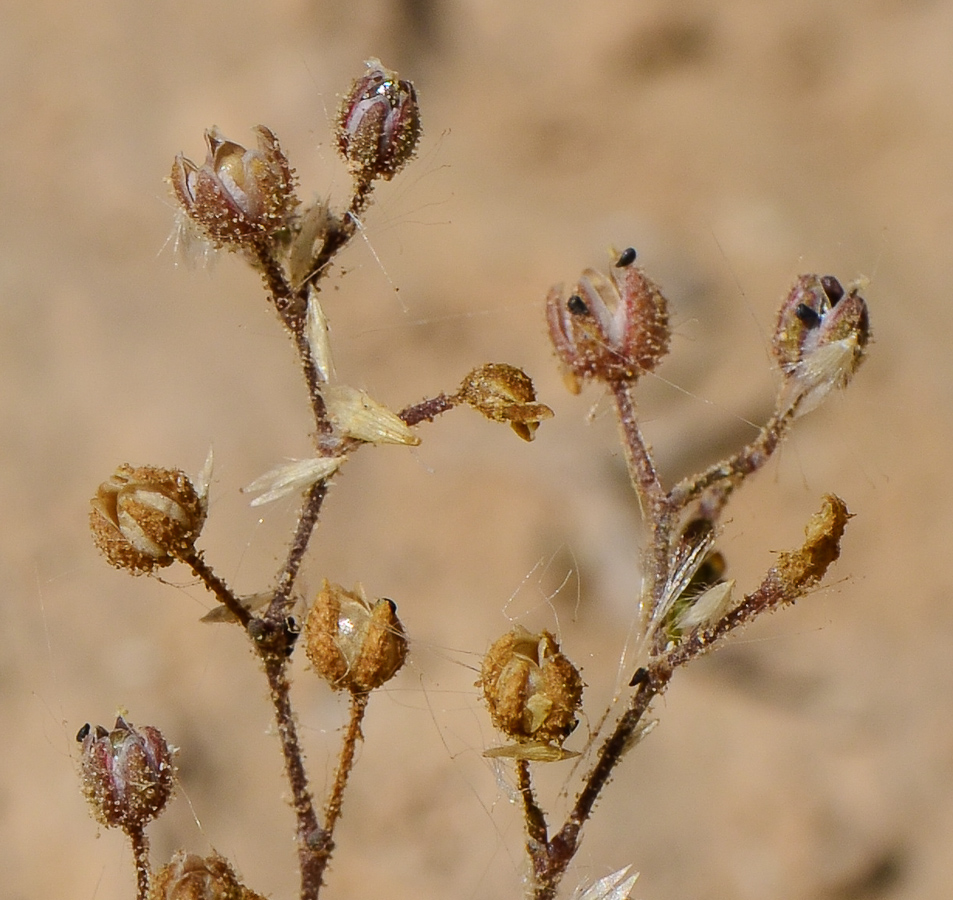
(127, 773)
(353, 644)
(504, 393)
(378, 124)
(611, 328)
(145, 518)
(237, 195)
(190, 877)
(820, 340)
(532, 690)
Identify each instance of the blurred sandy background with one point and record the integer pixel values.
(736, 145)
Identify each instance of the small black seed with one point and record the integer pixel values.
(810, 317)
(832, 287)
(81, 734)
(577, 306)
(626, 259)
(640, 677)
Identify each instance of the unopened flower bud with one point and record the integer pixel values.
(354, 644)
(237, 195)
(504, 393)
(820, 339)
(127, 773)
(532, 690)
(378, 124)
(609, 328)
(192, 877)
(145, 518)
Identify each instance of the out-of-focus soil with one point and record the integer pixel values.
(736, 145)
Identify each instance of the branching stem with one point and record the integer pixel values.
(310, 836)
(217, 586)
(307, 521)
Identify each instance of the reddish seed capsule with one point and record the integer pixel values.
(238, 195)
(127, 773)
(611, 328)
(378, 124)
(820, 339)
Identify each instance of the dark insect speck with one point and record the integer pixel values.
(626, 259)
(640, 677)
(577, 306)
(832, 287)
(809, 316)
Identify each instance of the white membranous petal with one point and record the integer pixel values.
(357, 416)
(204, 479)
(296, 475)
(708, 608)
(316, 330)
(616, 886)
(821, 337)
(306, 244)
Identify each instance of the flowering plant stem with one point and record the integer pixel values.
(611, 329)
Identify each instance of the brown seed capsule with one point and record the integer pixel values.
(504, 393)
(145, 518)
(190, 877)
(820, 340)
(237, 195)
(610, 328)
(532, 690)
(127, 773)
(378, 124)
(353, 644)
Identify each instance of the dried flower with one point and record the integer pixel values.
(799, 570)
(355, 415)
(532, 690)
(145, 518)
(701, 610)
(127, 773)
(297, 475)
(820, 340)
(504, 393)
(237, 195)
(617, 886)
(309, 229)
(190, 877)
(316, 331)
(378, 124)
(354, 644)
(610, 328)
